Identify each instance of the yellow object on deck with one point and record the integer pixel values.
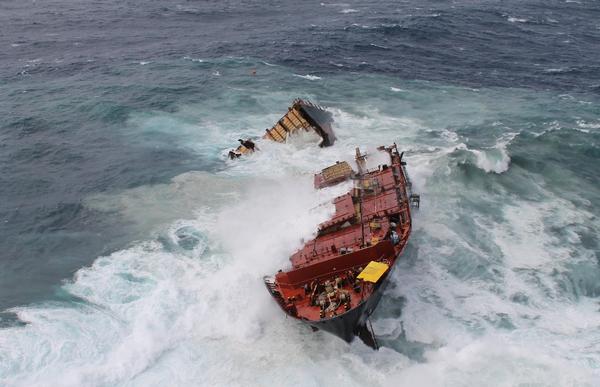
(373, 271)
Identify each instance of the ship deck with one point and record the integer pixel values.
(370, 224)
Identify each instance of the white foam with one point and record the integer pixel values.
(197, 60)
(588, 125)
(513, 19)
(458, 317)
(523, 240)
(491, 161)
(558, 70)
(146, 303)
(450, 136)
(308, 76)
(151, 208)
(379, 46)
(494, 159)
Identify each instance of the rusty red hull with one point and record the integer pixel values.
(331, 284)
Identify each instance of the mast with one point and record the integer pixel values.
(361, 162)
(362, 168)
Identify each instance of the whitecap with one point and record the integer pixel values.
(588, 125)
(334, 4)
(143, 63)
(396, 89)
(308, 76)
(516, 20)
(379, 46)
(495, 160)
(558, 70)
(198, 60)
(450, 135)
(349, 10)
(552, 126)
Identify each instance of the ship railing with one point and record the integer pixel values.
(332, 266)
(272, 287)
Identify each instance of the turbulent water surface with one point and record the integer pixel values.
(132, 251)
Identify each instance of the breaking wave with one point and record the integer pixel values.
(493, 160)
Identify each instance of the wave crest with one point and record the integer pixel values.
(495, 160)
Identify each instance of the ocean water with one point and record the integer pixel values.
(132, 250)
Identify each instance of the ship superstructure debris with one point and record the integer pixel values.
(303, 115)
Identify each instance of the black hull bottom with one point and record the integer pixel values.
(354, 322)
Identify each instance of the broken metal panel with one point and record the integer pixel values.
(321, 121)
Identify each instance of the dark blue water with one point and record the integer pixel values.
(103, 104)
